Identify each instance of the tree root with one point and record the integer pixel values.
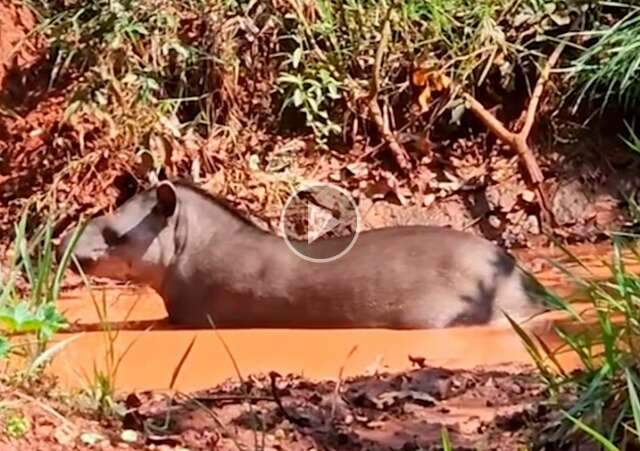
(518, 140)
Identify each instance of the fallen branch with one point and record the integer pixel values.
(518, 141)
(399, 152)
(292, 418)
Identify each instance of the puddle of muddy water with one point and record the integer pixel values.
(152, 355)
(318, 354)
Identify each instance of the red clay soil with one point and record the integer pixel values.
(487, 409)
(37, 143)
(16, 22)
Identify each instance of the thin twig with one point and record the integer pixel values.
(539, 89)
(336, 391)
(232, 398)
(294, 419)
(397, 149)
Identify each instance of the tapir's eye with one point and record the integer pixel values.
(111, 237)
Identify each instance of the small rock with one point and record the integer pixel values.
(64, 435)
(428, 199)
(516, 216)
(494, 222)
(571, 203)
(91, 438)
(528, 196)
(279, 434)
(129, 436)
(335, 176)
(532, 225)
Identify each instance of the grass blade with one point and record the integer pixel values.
(48, 354)
(592, 432)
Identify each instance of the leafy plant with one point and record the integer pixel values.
(16, 425)
(32, 313)
(609, 69)
(100, 386)
(606, 401)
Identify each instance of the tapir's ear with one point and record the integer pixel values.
(167, 197)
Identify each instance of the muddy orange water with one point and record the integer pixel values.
(150, 350)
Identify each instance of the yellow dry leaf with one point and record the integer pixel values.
(420, 76)
(432, 81)
(425, 98)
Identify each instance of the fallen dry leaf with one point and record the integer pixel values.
(432, 81)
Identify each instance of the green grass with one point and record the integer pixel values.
(605, 391)
(29, 318)
(608, 70)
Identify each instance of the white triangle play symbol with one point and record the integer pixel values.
(321, 221)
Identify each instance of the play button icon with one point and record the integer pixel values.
(315, 213)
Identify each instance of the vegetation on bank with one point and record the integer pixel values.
(603, 396)
(161, 73)
(244, 93)
(161, 67)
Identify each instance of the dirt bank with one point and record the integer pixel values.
(501, 408)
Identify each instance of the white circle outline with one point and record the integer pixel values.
(306, 187)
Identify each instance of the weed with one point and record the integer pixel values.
(100, 386)
(608, 70)
(330, 51)
(17, 425)
(159, 68)
(444, 438)
(606, 388)
(32, 314)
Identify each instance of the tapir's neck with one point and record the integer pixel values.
(216, 246)
(203, 223)
(211, 218)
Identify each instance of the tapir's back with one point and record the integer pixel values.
(418, 276)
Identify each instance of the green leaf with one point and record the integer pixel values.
(5, 347)
(333, 91)
(593, 433)
(21, 315)
(298, 98)
(313, 104)
(30, 325)
(290, 79)
(7, 322)
(633, 398)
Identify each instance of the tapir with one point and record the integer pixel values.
(213, 267)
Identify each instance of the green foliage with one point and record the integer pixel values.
(16, 425)
(606, 405)
(31, 314)
(161, 67)
(137, 65)
(331, 51)
(608, 70)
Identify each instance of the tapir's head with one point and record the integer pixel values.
(135, 242)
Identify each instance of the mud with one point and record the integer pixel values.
(481, 409)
